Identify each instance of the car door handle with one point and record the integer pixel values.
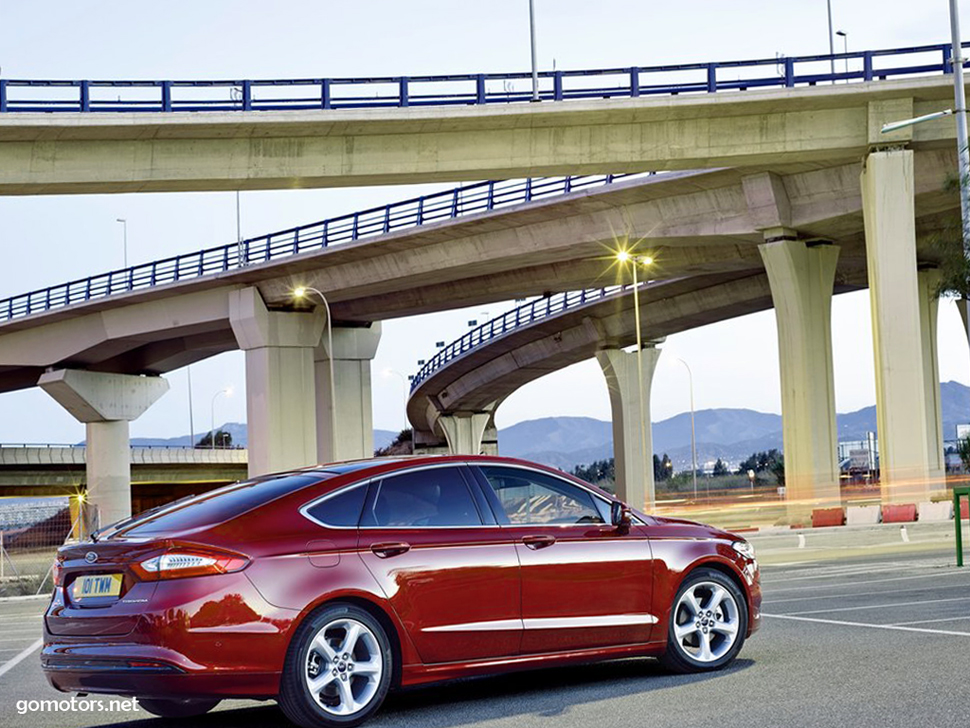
(538, 542)
(385, 550)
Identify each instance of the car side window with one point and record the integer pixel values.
(430, 497)
(531, 498)
(340, 509)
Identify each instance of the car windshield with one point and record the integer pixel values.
(218, 505)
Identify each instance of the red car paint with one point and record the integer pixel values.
(458, 601)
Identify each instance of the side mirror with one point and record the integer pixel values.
(620, 515)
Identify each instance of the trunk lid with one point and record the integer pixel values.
(100, 593)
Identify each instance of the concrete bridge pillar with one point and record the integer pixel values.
(901, 401)
(280, 387)
(801, 279)
(632, 435)
(105, 403)
(465, 431)
(927, 280)
(350, 406)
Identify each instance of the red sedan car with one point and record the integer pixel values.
(325, 587)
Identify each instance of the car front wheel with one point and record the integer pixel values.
(708, 623)
(338, 668)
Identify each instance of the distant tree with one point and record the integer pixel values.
(963, 450)
(720, 468)
(597, 471)
(768, 461)
(666, 468)
(403, 444)
(223, 440)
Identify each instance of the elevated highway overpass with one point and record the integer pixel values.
(304, 133)
(794, 208)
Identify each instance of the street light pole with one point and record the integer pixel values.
(301, 292)
(693, 435)
(124, 225)
(623, 257)
(212, 413)
(845, 50)
(831, 39)
(535, 68)
(960, 111)
(404, 382)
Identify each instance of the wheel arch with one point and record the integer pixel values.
(378, 612)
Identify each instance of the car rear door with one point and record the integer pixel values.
(585, 583)
(448, 571)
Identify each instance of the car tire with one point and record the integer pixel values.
(177, 707)
(338, 668)
(707, 624)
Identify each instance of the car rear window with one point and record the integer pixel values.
(221, 504)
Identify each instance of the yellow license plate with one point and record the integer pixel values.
(102, 585)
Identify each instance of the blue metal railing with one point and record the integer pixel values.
(525, 315)
(415, 212)
(18, 95)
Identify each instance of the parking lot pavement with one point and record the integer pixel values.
(864, 641)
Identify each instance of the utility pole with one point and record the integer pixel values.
(535, 69)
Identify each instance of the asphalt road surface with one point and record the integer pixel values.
(879, 640)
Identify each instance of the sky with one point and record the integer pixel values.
(52, 239)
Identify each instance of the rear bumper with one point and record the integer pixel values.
(116, 676)
(204, 636)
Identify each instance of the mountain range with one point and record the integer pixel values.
(729, 434)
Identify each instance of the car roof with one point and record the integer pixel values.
(384, 464)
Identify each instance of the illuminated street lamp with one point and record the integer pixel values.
(624, 257)
(300, 293)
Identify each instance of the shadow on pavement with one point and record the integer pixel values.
(547, 692)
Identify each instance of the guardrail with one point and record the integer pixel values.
(525, 315)
(52, 96)
(55, 455)
(415, 212)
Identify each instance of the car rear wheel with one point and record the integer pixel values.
(338, 668)
(708, 623)
(177, 707)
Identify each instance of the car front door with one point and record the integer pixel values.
(430, 539)
(585, 583)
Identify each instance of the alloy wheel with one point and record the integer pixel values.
(344, 666)
(706, 622)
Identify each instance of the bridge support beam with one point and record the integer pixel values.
(105, 403)
(928, 279)
(350, 406)
(631, 433)
(901, 403)
(465, 431)
(801, 280)
(280, 386)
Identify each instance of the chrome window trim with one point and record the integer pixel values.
(593, 494)
(454, 464)
(366, 482)
(305, 508)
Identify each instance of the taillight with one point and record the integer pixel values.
(183, 562)
(57, 572)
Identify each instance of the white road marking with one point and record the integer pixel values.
(885, 606)
(801, 541)
(816, 570)
(14, 661)
(865, 624)
(943, 619)
(815, 587)
(857, 594)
